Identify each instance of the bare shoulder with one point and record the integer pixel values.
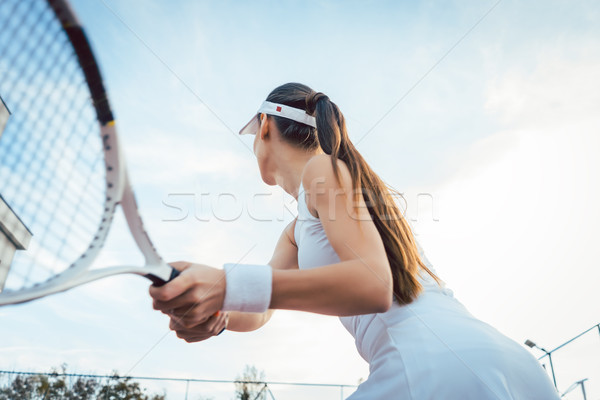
(319, 173)
(321, 185)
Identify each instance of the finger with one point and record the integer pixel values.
(191, 321)
(180, 265)
(174, 325)
(194, 311)
(224, 326)
(171, 289)
(193, 317)
(191, 337)
(180, 304)
(177, 323)
(182, 311)
(217, 323)
(185, 309)
(200, 332)
(196, 331)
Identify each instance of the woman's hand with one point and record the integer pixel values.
(213, 326)
(191, 298)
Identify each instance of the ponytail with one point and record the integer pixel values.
(332, 137)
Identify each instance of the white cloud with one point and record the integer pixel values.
(560, 91)
(519, 219)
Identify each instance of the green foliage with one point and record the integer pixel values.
(59, 385)
(56, 385)
(119, 388)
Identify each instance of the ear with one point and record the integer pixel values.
(263, 131)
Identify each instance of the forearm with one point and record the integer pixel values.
(346, 288)
(246, 322)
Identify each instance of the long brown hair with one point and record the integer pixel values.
(331, 136)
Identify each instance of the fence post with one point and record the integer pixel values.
(582, 382)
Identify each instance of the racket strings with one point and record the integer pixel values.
(72, 224)
(60, 202)
(19, 19)
(52, 169)
(37, 155)
(9, 11)
(44, 159)
(52, 160)
(20, 86)
(9, 26)
(31, 44)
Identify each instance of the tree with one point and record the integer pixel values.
(54, 386)
(122, 388)
(20, 389)
(251, 385)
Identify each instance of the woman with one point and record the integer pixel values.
(350, 253)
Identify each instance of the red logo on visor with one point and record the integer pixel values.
(278, 109)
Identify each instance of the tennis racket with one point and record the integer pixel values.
(62, 169)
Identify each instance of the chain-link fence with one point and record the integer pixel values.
(20, 385)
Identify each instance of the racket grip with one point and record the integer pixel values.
(156, 281)
(174, 274)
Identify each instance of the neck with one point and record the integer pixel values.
(290, 171)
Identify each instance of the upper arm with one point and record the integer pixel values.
(353, 235)
(285, 255)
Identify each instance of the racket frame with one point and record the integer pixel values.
(118, 188)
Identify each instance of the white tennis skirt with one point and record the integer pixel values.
(435, 349)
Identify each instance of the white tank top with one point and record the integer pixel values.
(314, 250)
(432, 348)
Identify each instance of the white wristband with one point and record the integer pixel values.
(248, 287)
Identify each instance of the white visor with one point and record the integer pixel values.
(281, 110)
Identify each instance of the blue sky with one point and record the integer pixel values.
(502, 134)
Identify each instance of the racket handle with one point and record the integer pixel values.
(156, 281)
(174, 274)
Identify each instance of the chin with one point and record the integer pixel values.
(269, 180)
